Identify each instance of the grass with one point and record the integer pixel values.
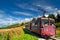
(11, 26)
(58, 32)
(3, 36)
(58, 29)
(16, 34)
(24, 37)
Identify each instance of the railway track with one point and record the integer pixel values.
(48, 39)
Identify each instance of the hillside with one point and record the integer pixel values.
(15, 34)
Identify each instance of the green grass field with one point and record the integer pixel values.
(24, 37)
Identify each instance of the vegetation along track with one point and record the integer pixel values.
(6, 34)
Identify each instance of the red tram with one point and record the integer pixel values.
(42, 26)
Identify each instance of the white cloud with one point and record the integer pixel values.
(26, 6)
(58, 11)
(38, 5)
(47, 8)
(50, 10)
(9, 20)
(55, 13)
(4, 20)
(2, 13)
(27, 19)
(46, 15)
(13, 20)
(23, 13)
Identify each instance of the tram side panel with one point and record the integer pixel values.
(33, 27)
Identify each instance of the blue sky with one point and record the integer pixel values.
(14, 11)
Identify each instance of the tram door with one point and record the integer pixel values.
(35, 26)
(37, 23)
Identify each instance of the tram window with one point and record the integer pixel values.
(44, 22)
(52, 22)
(37, 23)
(32, 23)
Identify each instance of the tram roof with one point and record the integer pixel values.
(47, 18)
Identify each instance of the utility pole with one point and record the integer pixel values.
(44, 11)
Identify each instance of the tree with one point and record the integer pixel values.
(22, 24)
(52, 16)
(58, 18)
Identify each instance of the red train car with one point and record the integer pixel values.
(42, 26)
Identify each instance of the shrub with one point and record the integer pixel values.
(57, 25)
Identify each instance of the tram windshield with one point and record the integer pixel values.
(44, 21)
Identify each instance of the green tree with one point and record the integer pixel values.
(58, 18)
(52, 16)
(22, 24)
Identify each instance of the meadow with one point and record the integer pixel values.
(58, 32)
(16, 34)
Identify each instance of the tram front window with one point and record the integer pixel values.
(52, 22)
(47, 21)
(44, 22)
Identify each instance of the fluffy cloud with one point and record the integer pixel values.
(50, 10)
(7, 19)
(58, 11)
(2, 13)
(46, 15)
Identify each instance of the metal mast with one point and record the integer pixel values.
(44, 11)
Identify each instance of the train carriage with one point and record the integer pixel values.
(42, 26)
